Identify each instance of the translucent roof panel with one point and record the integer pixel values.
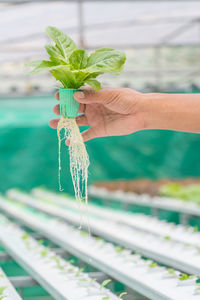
(120, 24)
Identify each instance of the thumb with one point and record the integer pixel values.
(105, 96)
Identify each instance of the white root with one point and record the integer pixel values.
(79, 160)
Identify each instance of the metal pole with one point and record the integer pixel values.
(158, 66)
(80, 24)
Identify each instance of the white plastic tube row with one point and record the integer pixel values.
(180, 233)
(60, 278)
(154, 247)
(165, 203)
(153, 281)
(7, 291)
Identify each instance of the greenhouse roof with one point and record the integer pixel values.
(121, 24)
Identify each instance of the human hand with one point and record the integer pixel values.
(108, 112)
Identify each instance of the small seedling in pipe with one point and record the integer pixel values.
(2, 289)
(122, 294)
(104, 283)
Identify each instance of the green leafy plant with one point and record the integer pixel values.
(2, 289)
(84, 233)
(57, 261)
(78, 273)
(25, 236)
(44, 252)
(118, 249)
(167, 238)
(40, 242)
(171, 271)
(105, 282)
(74, 67)
(122, 294)
(152, 265)
(184, 276)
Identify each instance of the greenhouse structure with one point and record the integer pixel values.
(129, 226)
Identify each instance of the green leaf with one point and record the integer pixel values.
(153, 265)
(72, 67)
(40, 242)
(33, 63)
(55, 55)
(79, 272)
(122, 294)
(106, 298)
(44, 252)
(95, 84)
(45, 66)
(184, 276)
(104, 60)
(171, 271)
(2, 289)
(63, 43)
(78, 59)
(69, 79)
(84, 233)
(105, 282)
(118, 249)
(25, 236)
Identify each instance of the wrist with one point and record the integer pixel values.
(149, 107)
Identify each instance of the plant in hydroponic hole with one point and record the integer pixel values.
(104, 283)
(153, 265)
(122, 294)
(2, 289)
(184, 276)
(74, 68)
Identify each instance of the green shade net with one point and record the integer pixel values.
(29, 150)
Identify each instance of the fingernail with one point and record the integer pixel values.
(79, 94)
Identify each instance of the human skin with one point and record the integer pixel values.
(122, 111)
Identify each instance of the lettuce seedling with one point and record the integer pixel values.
(74, 67)
(105, 282)
(184, 276)
(153, 265)
(78, 273)
(122, 294)
(171, 271)
(2, 289)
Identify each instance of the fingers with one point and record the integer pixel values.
(53, 123)
(104, 96)
(82, 108)
(57, 95)
(82, 121)
(88, 135)
(56, 109)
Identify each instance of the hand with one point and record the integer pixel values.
(108, 112)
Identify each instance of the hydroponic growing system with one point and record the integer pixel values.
(157, 259)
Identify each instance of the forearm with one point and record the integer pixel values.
(179, 112)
